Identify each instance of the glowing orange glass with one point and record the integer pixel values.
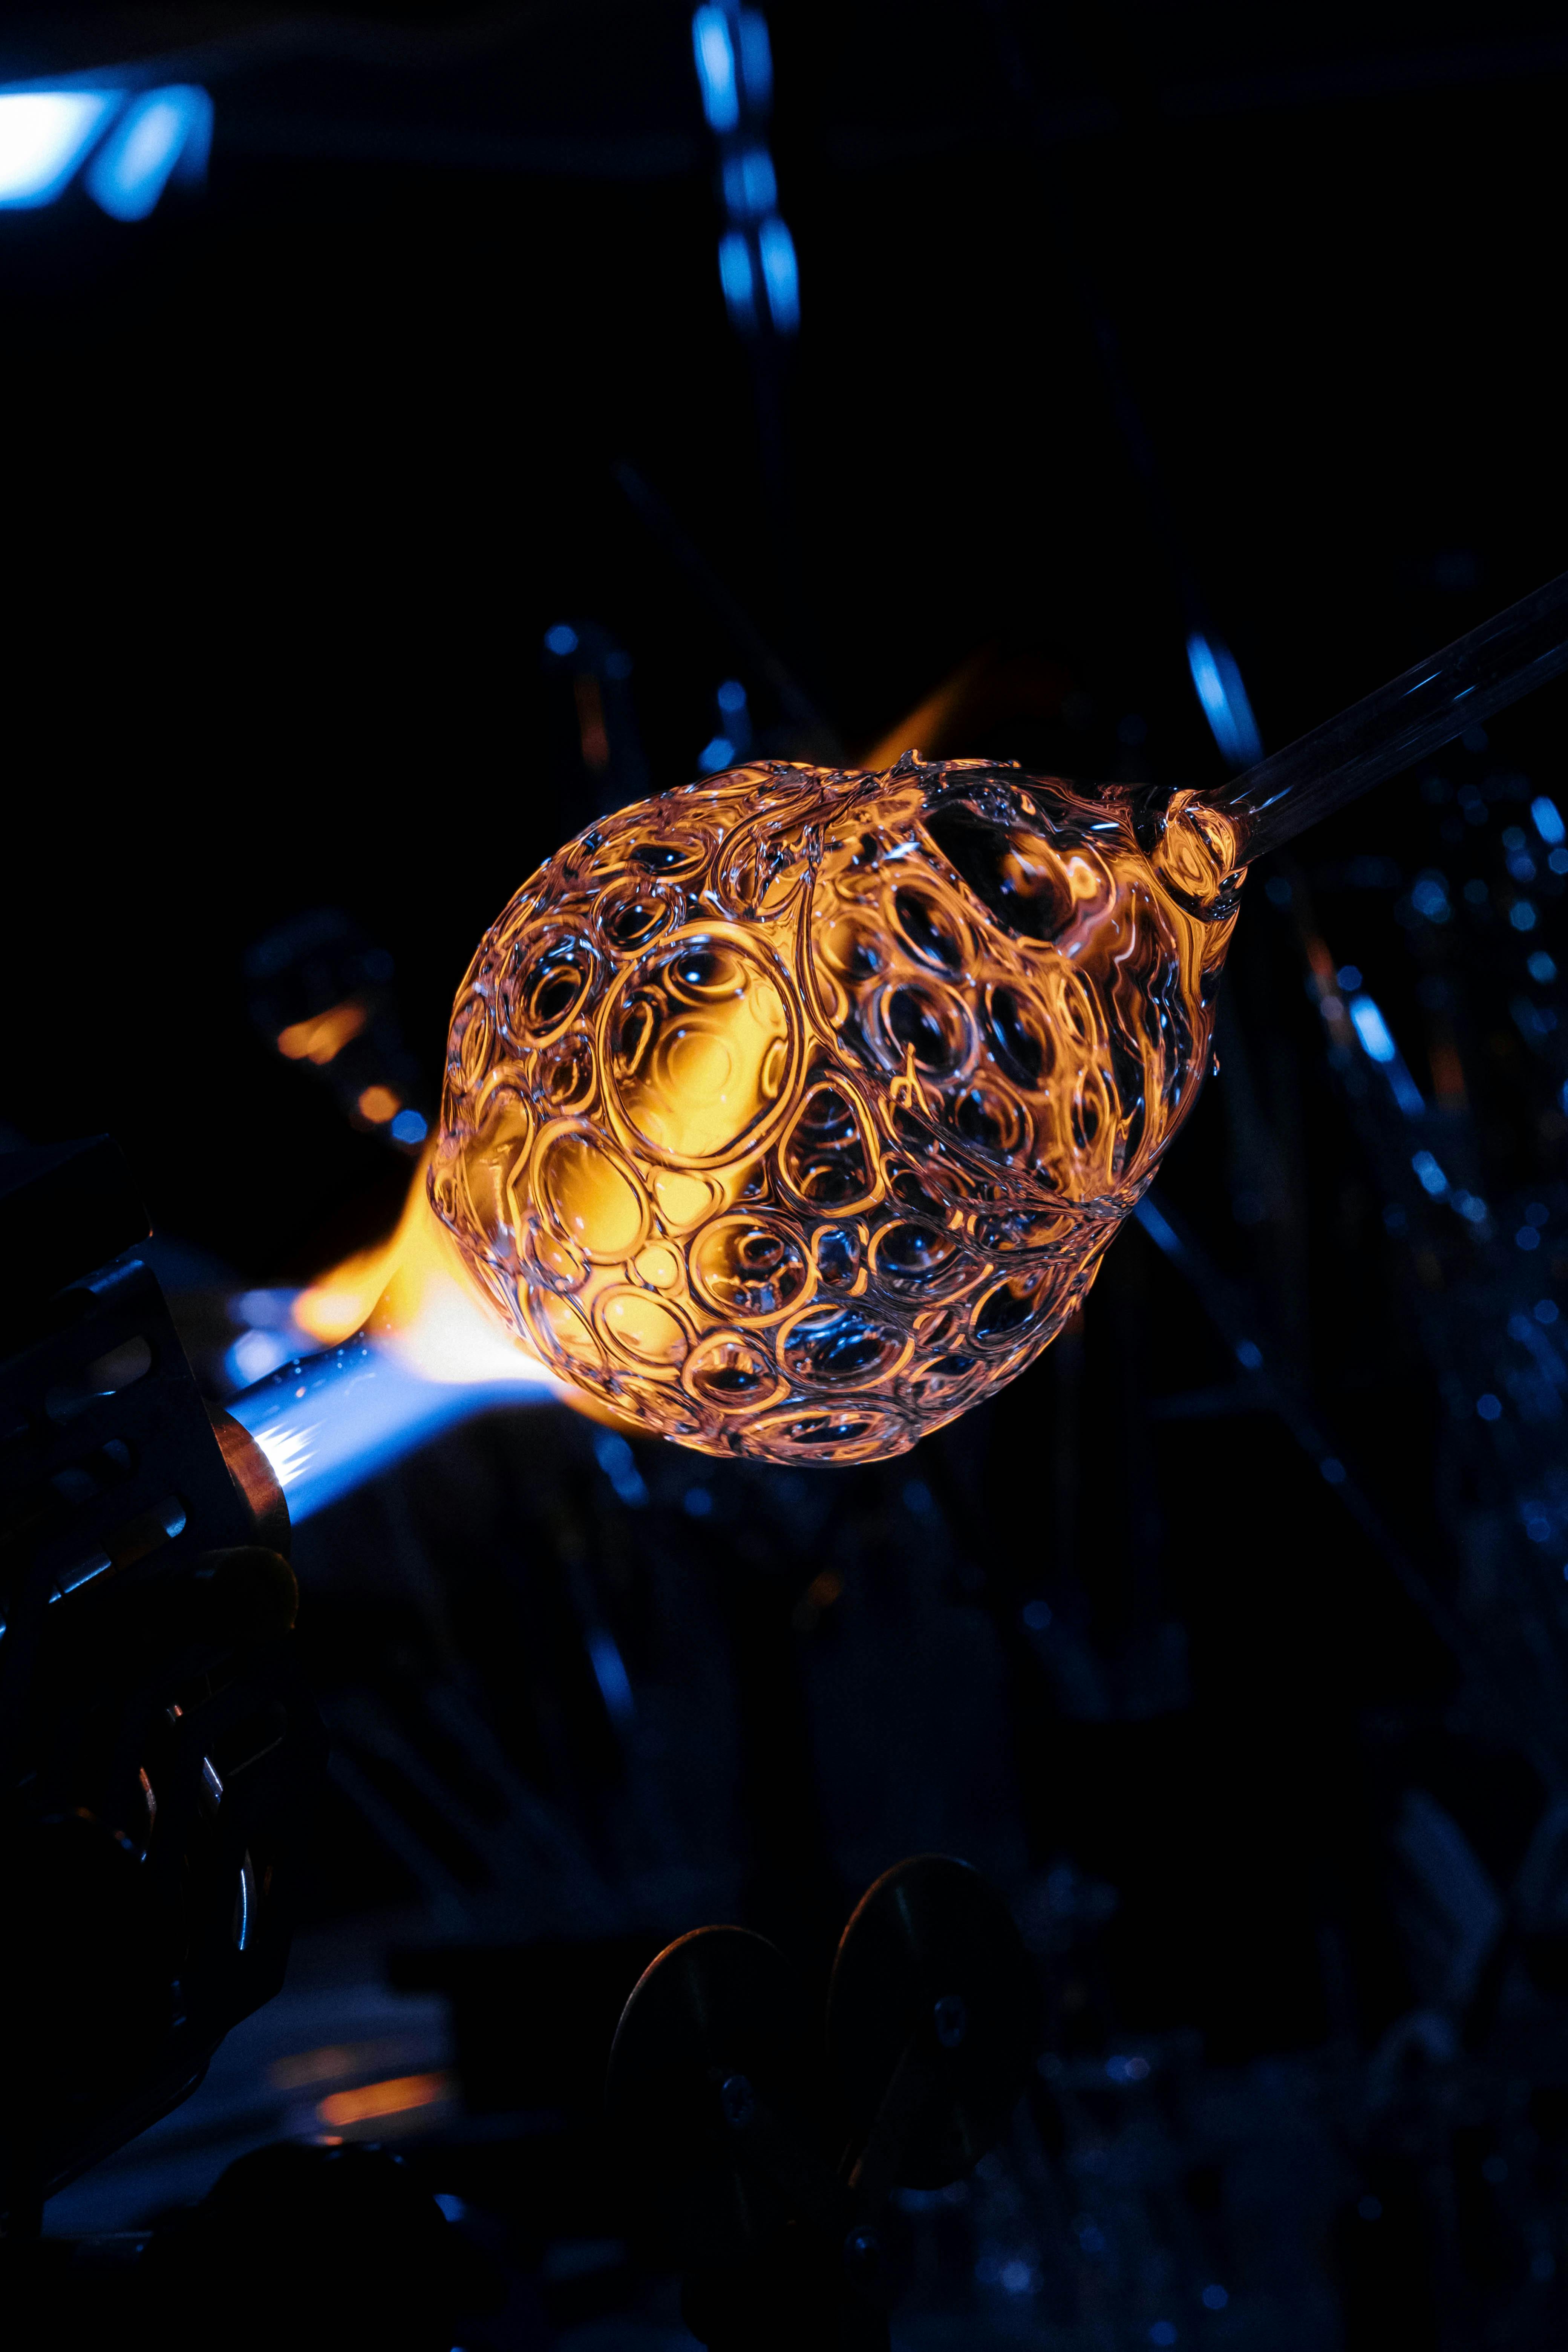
(790, 1113)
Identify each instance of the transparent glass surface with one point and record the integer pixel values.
(790, 1113)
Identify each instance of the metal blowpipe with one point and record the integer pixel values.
(1507, 657)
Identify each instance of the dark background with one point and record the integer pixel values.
(300, 473)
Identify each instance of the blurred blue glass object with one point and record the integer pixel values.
(1224, 699)
(751, 184)
(44, 135)
(756, 60)
(736, 276)
(1372, 1030)
(780, 274)
(1548, 821)
(715, 55)
(162, 132)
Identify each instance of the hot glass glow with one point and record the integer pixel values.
(790, 1113)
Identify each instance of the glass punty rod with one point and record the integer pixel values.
(1507, 657)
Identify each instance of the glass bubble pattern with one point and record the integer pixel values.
(791, 1112)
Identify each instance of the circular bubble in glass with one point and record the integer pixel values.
(790, 1113)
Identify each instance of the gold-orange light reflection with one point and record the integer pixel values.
(373, 2102)
(379, 1104)
(790, 1113)
(322, 1038)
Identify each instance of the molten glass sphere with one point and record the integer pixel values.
(790, 1113)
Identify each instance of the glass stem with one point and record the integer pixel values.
(1415, 714)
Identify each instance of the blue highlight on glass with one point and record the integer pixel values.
(44, 135)
(715, 54)
(751, 184)
(165, 132)
(738, 279)
(133, 144)
(1218, 682)
(781, 274)
(756, 59)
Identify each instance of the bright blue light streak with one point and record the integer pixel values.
(719, 753)
(610, 1673)
(1157, 1228)
(1223, 699)
(1548, 822)
(328, 1422)
(715, 55)
(756, 60)
(751, 184)
(161, 132)
(781, 274)
(737, 278)
(1373, 1032)
(44, 135)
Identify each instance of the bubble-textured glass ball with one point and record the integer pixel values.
(791, 1112)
